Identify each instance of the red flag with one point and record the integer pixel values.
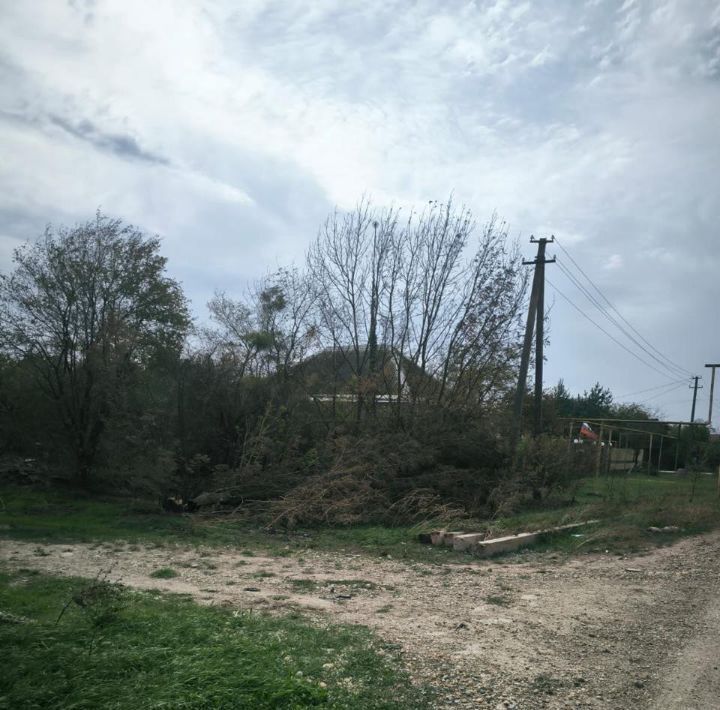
(587, 433)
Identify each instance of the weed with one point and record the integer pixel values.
(498, 600)
(101, 601)
(164, 573)
(28, 571)
(546, 684)
(303, 585)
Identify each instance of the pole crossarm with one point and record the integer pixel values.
(535, 261)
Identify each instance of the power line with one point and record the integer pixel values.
(674, 372)
(650, 389)
(604, 311)
(604, 297)
(662, 394)
(600, 328)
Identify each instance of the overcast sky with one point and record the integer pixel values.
(233, 128)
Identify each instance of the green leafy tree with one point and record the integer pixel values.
(597, 402)
(87, 307)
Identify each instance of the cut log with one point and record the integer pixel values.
(487, 548)
(437, 536)
(466, 541)
(450, 537)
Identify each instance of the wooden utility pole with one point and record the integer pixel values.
(536, 314)
(694, 388)
(540, 331)
(712, 390)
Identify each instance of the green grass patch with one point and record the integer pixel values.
(57, 516)
(117, 648)
(626, 505)
(164, 573)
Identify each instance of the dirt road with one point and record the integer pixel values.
(534, 631)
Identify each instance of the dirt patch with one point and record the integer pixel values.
(533, 631)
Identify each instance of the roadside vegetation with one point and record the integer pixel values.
(625, 506)
(73, 643)
(370, 386)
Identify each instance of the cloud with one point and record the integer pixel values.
(123, 145)
(614, 261)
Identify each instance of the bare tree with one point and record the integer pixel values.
(406, 293)
(269, 331)
(286, 304)
(236, 335)
(347, 264)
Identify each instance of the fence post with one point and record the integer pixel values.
(677, 446)
(598, 453)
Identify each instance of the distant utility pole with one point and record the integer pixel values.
(694, 388)
(712, 389)
(536, 313)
